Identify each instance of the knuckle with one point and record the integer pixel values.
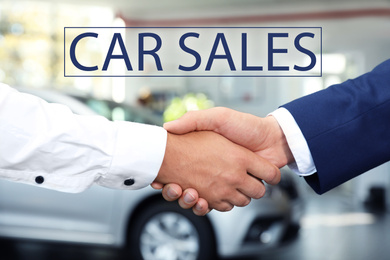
(188, 113)
(244, 202)
(227, 194)
(225, 207)
(238, 159)
(222, 206)
(273, 175)
(260, 193)
(241, 160)
(236, 180)
(231, 179)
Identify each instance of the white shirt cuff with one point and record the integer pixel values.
(139, 152)
(303, 165)
(47, 145)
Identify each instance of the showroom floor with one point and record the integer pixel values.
(334, 228)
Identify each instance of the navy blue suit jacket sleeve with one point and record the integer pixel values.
(347, 127)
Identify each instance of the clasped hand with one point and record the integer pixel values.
(220, 158)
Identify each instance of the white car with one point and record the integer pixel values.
(150, 227)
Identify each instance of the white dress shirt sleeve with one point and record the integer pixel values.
(303, 165)
(47, 145)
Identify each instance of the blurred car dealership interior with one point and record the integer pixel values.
(291, 221)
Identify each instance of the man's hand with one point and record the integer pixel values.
(223, 173)
(260, 135)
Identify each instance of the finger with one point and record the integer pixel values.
(156, 185)
(189, 198)
(223, 206)
(171, 192)
(262, 169)
(201, 208)
(239, 199)
(208, 119)
(252, 187)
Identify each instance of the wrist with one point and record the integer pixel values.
(280, 145)
(170, 170)
(162, 175)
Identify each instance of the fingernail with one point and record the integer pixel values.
(198, 207)
(188, 198)
(172, 193)
(168, 123)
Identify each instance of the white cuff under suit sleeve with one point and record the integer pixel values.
(303, 165)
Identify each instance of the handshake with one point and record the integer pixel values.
(220, 158)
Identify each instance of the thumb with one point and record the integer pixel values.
(185, 124)
(157, 185)
(202, 120)
(179, 126)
